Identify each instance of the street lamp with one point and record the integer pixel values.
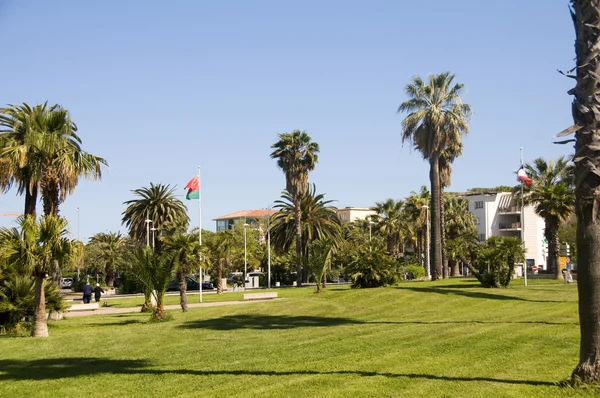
(148, 222)
(370, 247)
(245, 257)
(428, 243)
(269, 246)
(153, 229)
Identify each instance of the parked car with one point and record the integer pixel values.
(66, 283)
(192, 284)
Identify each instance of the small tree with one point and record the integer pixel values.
(496, 261)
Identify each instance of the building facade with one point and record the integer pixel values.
(498, 214)
(349, 214)
(246, 216)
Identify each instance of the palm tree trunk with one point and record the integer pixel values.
(551, 235)
(443, 233)
(586, 108)
(147, 306)
(454, 267)
(40, 319)
(220, 278)
(436, 242)
(50, 191)
(297, 216)
(159, 312)
(31, 200)
(183, 300)
(110, 275)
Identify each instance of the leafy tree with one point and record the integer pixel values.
(459, 221)
(371, 267)
(297, 155)
(32, 248)
(111, 246)
(586, 117)
(496, 261)
(391, 222)
(552, 196)
(415, 208)
(436, 120)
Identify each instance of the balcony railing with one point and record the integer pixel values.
(511, 209)
(509, 226)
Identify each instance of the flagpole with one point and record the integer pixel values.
(523, 222)
(200, 231)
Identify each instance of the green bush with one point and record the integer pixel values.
(414, 271)
(17, 302)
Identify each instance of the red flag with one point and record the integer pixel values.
(193, 185)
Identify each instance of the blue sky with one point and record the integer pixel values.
(158, 88)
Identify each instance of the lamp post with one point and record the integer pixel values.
(269, 246)
(370, 236)
(428, 242)
(245, 257)
(148, 222)
(153, 229)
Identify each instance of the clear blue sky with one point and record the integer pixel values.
(158, 88)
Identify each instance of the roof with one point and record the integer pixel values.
(247, 214)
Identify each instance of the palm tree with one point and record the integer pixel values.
(390, 223)
(319, 222)
(155, 271)
(157, 204)
(447, 157)
(586, 115)
(459, 221)
(415, 208)
(296, 155)
(41, 151)
(32, 248)
(224, 249)
(436, 120)
(110, 247)
(553, 200)
(186, 248)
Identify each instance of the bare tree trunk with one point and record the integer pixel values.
(586, 108)
(436, 243)
(40, 319)
(31, 201)
(183, 300)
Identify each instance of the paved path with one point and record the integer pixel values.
(110, 311)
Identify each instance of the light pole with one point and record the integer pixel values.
(148, 231)
(152, 229)
(245, 257)
(427, 244)
(269, 246)
(370, 247)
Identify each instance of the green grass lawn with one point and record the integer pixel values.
(442, 339)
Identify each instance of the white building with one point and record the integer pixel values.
(349, 214)
(498, 214)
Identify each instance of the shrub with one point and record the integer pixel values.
(414, 271)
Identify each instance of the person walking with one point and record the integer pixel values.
(87, 293)
(97, 292)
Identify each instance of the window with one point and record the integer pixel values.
(479, 204)
(481, 237)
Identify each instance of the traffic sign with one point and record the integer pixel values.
(534, 268)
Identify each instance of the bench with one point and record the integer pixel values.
(84, 307)
(260, 296)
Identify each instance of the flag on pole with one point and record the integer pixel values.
(193, 188)
(522, 177)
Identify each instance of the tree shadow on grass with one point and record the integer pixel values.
(474, 294)
(54, 368)
(247, 321)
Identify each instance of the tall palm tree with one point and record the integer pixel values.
(586, 115)
(319, 222)
(110, 247)
(297, 155)
(33, 247)
(436, 119)
(157, 204)
(186, 248)
(553, 200)
(41, 151)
